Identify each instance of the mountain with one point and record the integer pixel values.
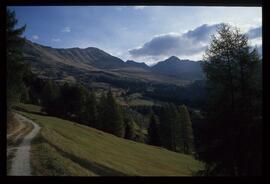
(136, 64)
(98, 70)
(184, 69)
(88, 58)
(94, 65)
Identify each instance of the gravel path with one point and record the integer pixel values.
(21, 162)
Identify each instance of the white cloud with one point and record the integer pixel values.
(56, 39)
(119, 8)
(255, 41)
(189, 44)
(66, 29)
(139, 7)
(255, 32)
(35, 37)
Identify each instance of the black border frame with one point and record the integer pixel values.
(45, 179)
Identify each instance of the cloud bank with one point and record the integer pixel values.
(66, 30)
(139, 7)
(35, 37)
(189, 43)
(255, 33)
(56, 39)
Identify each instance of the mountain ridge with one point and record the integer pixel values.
(91, 61)
(173, 66)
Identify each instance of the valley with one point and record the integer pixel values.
(98, 70)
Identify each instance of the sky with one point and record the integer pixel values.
(141, 33)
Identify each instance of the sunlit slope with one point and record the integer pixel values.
(79, 150)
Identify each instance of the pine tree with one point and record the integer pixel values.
(129, 130)
(74, 107)
(165, 127)
(169, 127)
(110, 115)
(77, 101)
(101, 107)
(15, 66)
(62, 105)
(153, 131)
(233, 108)
(81, 102)
(50, 94)
(129, 125)
(90, 110)
(186, 130)
(176, 129)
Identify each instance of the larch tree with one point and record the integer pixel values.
(153, 131)
(91, 109)
(50, 93)
(101, 107)
(15, 66)
(170, 127)
(186, 132)
(232, 142)
(129, 130)
(112, 120)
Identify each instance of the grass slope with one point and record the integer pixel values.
(66, 148)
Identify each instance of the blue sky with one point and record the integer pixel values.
(141, 33)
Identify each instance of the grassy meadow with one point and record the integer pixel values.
(67, 148)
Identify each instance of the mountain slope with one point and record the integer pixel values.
(136, 64)
(184, 69)
(89, 58)
(66, 148)
(86, 65)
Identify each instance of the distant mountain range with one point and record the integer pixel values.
(73, 62)
(184, 69)
(137, 64)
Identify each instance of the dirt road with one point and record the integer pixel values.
(21, 162)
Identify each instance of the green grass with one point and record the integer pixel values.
(66, 148)
(28, 107)
(138, 102)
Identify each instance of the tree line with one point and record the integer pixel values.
(172, 129)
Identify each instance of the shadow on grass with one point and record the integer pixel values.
(98, 169)
(45, 114)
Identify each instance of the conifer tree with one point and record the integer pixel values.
(50, 94)
(233, 112)
(186, 130)
(15, 67)
(169, 127)
(129, 130)
(110, 115)
(153, 131)
(165, 127)
(87, 113)
(114, 123)
(101, 107)
(91, 109)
